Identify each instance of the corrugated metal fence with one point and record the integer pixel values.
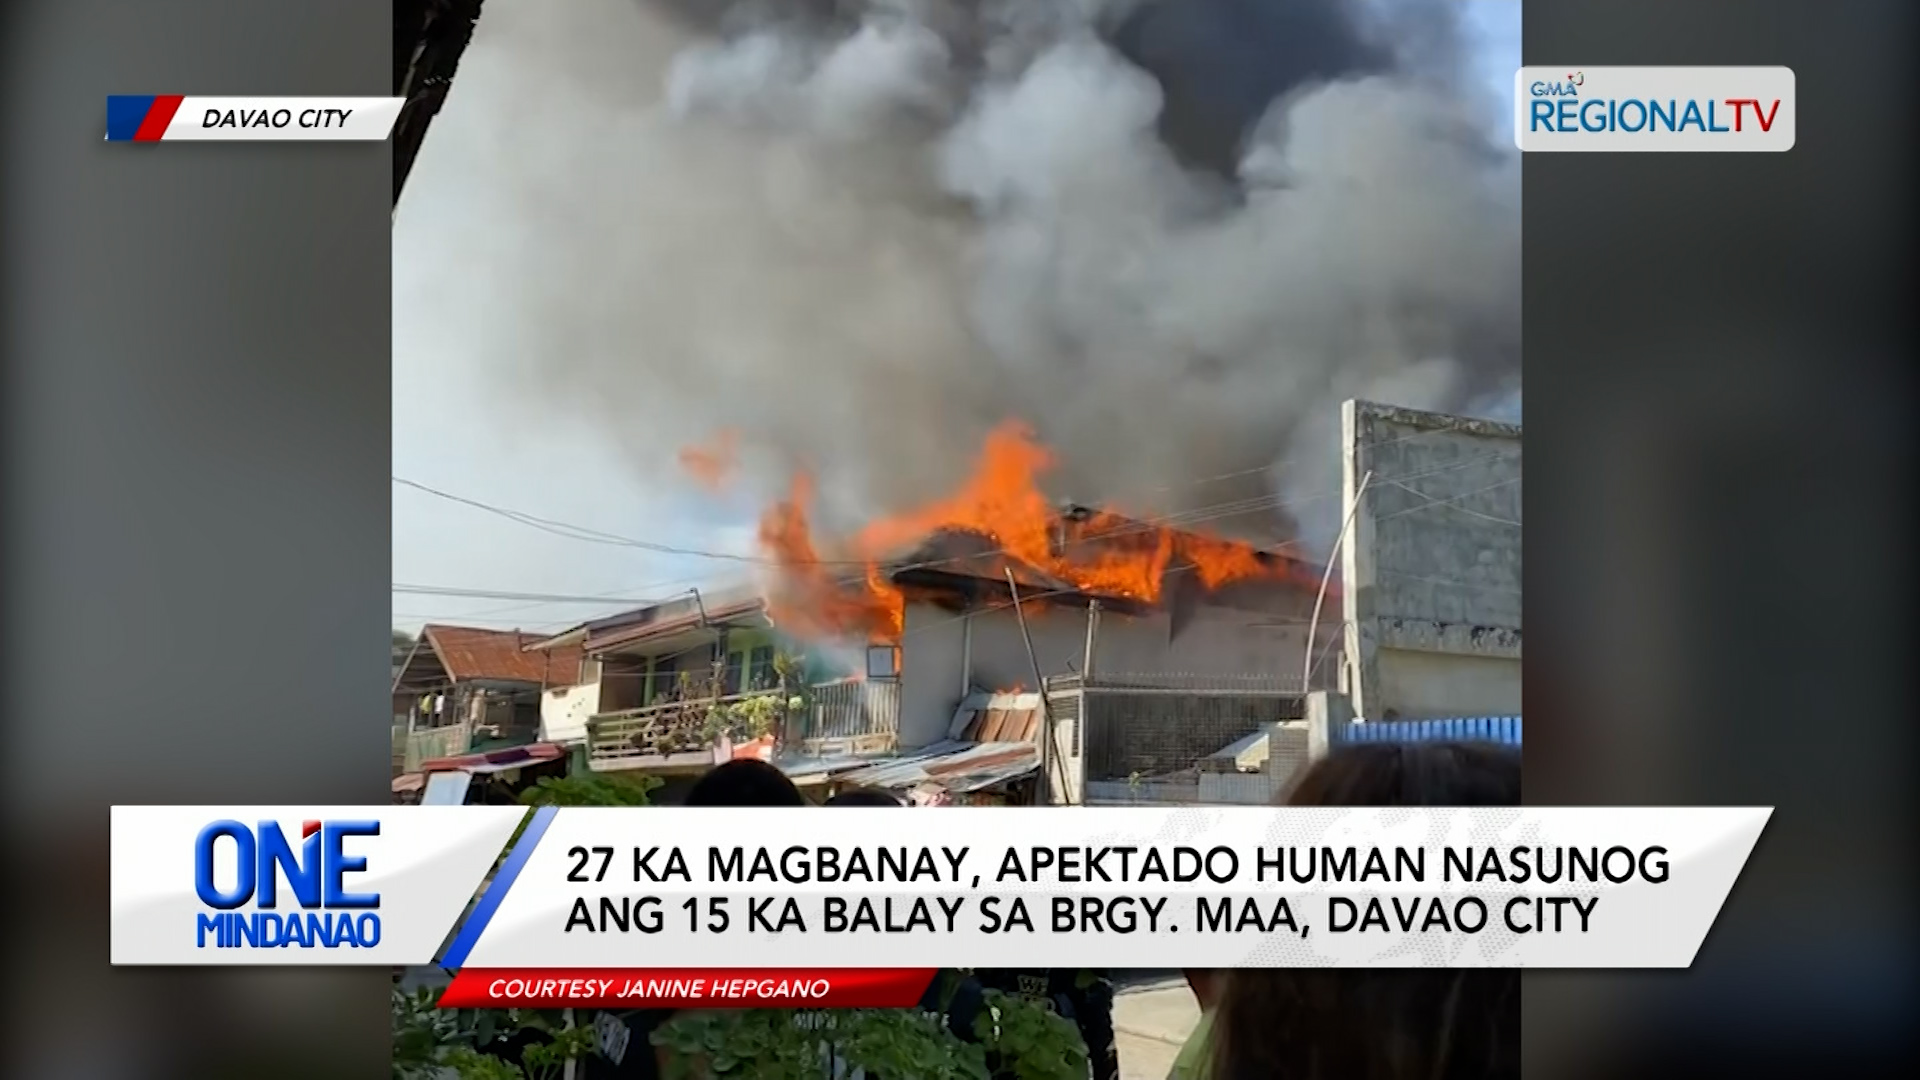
(1496, 729)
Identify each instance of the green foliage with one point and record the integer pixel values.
(1031, 1040)
(548, 1060)
(430, 1043)
(590, 790)
(779, 1044)
(750, 718)
(1022, 1037)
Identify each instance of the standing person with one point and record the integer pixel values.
(625, 1048)
(1195, 1052)
(1437, 1024)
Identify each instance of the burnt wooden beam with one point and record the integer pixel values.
(429, 37)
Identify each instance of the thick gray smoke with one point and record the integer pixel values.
(1172, 235)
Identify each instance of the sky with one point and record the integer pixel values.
(465, 421)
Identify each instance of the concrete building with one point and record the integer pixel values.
(1431, 564)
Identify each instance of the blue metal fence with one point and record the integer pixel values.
(1496, 729)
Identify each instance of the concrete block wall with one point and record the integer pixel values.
(1431, 565)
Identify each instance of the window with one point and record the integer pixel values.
(760, 673)
(736, 665)
(883, 662)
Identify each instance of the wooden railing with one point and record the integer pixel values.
(866, 715)
(655, 731)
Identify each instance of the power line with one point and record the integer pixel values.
(1132, 526)
(1453, 502)
(578, 532)
(497, 594)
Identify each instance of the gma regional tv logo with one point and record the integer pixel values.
(1691, 109)
(265, 891)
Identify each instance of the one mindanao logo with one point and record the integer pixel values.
(239, 873)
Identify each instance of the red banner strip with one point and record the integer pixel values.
(686, 988)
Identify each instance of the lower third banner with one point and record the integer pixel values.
(686, 988)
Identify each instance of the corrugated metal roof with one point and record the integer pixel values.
(954, 766)
(512, 757)
(468, 653)
(993, 738)
(1504, 730)
(996, 718)
(624, 635)
(799, 766)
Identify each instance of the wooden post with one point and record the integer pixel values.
(1041, 790)
(1093, 633)
(966, 652)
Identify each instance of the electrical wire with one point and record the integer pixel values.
(1132, 526)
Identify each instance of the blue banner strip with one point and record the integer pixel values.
(456, 955)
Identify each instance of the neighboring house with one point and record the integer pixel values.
(463, 689)
(651, 678)
(1431, 564)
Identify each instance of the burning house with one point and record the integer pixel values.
(1164, 642)
(927, 633)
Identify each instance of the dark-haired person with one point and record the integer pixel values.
(625, 1047)
(745, 782)
(1439, 1024)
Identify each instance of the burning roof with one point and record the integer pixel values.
(997, 521)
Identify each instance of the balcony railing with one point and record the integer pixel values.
(425, 744)
(655, 734)
(864, 715)
(682, 733)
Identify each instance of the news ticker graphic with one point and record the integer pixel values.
(176, 117)
(1628, 109)
(650, 890)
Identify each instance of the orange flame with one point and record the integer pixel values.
(1100, 552)
(713, 465)
(811, 597)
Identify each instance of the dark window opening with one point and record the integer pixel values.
(760, 673)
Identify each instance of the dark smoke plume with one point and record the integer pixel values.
(1171, 234)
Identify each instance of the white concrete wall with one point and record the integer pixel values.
(1432, 564)
(1263, 635)
(564, 712)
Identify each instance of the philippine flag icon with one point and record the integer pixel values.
(141, 117)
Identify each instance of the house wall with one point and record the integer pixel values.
(637, 681)
(1432, 564)
(564, 712)
(1263, 634)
